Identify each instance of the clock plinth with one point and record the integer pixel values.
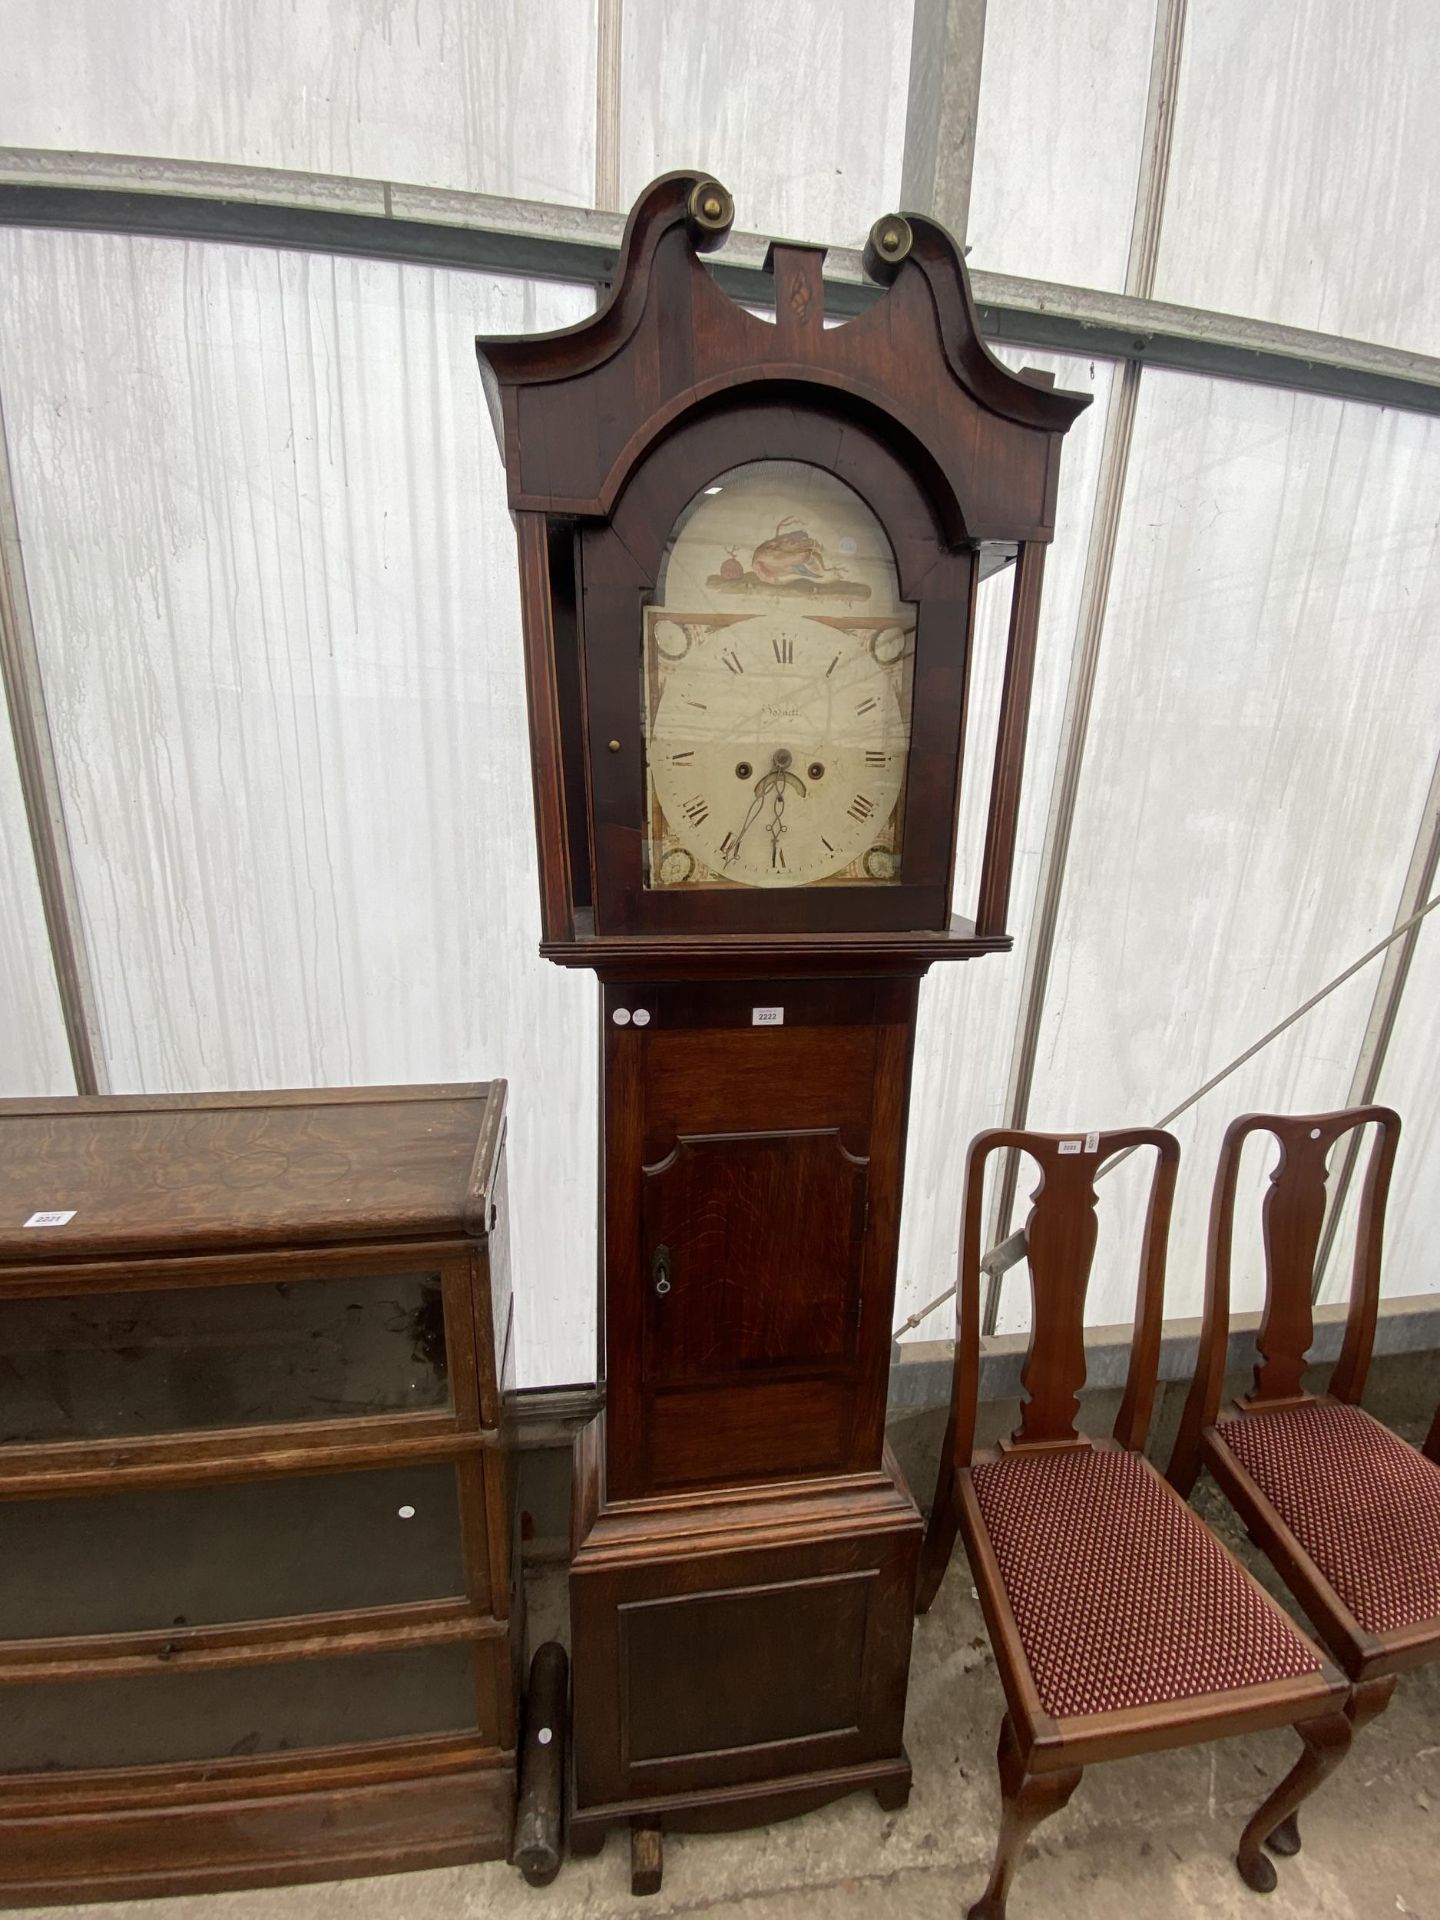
(749, 556)
(742, 1656)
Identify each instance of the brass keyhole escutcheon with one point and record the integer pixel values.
(660, 1270)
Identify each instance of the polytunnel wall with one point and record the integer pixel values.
(265, 807)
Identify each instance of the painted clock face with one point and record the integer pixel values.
(777, 749)
(777, 669)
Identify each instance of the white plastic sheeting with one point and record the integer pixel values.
(274, 589)
(492, 98)
(34, 1058)
(1305, 176)
(968, 1013)
(274, 581)
(1407, 1083)
(1261, 744)
(799, 109)
(1058, 139)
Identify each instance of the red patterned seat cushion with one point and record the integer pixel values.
(1123, 1596)
(1363, 1505)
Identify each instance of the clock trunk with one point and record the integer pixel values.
(752, 1209)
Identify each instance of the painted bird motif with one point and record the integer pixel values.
(791, 553)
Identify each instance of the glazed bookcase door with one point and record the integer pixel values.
(162, 1716)
(206, 1556)
(103, 1365)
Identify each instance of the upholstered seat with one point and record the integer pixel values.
(1347, 1512)
(1120, 1624)
(1122, 1597)
(1363, 1505)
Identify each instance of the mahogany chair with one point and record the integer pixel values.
(1120, 1624)
(1346, 1510)
(1432, 1444)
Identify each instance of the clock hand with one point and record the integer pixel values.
(777, 821)
(762, 787)
(771, 783)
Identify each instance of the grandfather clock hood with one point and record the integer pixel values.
(874, 473)
(577, 410)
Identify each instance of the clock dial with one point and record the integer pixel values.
(777, 752)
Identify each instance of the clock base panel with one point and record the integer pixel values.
(739, 1656)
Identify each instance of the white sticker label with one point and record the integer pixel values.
(545, 1736)
(621, 1016)
(1069, 1146)
(1092, 1143)
(51, 1219)
(641, 1016)
(767, 1016)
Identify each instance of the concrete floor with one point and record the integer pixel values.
(1149, 1837)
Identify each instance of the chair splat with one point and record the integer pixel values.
(1061, 1234)
(1060, 1237)
(1292, 1219)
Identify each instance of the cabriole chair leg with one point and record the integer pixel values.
(1367, 1701)
(1273, 1823)
(1026, 1800)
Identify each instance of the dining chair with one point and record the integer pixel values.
(1120, 1624)
(1348, 1513)
(1432, 1444)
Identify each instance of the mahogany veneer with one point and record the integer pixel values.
(1346, 1510)
(1120, 1624)
(259, 1621)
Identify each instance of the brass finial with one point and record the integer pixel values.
(889, 243)
(709, 214)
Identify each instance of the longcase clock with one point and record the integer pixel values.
(749, 554)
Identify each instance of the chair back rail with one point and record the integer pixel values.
(1061, 1232)
(1293, 1216)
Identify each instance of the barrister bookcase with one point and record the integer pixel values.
(258, 1614)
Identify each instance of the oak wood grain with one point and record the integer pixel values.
(266, 1273)
(1291, 1220)
(178, 1173)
